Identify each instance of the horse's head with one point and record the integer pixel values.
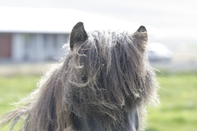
(108, 80)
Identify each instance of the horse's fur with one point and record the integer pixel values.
(103, 84)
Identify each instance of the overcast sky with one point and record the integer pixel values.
(173, 19)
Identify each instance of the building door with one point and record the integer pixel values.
(5, 45)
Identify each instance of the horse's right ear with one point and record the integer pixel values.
(78, 35)
(141, 38)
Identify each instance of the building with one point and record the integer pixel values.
(27, 46)
(37, 34)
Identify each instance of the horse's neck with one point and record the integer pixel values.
(91, 122)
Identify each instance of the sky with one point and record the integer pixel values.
(174, 20)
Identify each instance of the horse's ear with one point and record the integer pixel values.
(141, 33)
(141, 37)
(78, 35)
(142, 29)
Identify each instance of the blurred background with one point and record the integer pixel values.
(32, 33)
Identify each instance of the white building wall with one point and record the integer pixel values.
(30, 50)
(37, 47)
(49, 41)
(61, 40)
(18, 47)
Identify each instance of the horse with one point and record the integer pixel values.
(103, 83)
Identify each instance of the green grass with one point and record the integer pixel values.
(178, 95)
(178, 109)
(14, 88)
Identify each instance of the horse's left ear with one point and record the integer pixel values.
(78, 35)
(141, 37)
(142, 29)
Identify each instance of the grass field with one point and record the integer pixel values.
(178, 109)
(178, 95)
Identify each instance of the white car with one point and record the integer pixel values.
(159, 52)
